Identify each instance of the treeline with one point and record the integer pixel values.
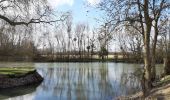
(74, 42)
(15, 45)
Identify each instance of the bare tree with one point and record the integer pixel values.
(79, 31)
(104, 37)
(142, 12)
(25, 12)
(165, 33)
(69, 29)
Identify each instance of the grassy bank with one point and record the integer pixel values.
(18, 76)
(15, 71)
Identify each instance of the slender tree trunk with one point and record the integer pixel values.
(167, 65)
(92, 53)
(69, 50)
(167, 59)
(153, 68)
(153, 60)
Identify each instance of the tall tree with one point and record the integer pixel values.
(79, 32)
(69, 29)
(143, 12)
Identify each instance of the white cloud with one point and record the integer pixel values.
(93, 2)
(55, 3)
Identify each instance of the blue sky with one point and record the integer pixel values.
(80, 11)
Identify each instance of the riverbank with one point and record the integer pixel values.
(161, 91)
(94, 58)
(18, 76)
(66, 59)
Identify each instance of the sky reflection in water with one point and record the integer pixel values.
(80, 81)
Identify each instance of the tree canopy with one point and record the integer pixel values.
(25, 12)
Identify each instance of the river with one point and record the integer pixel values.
(79, 81)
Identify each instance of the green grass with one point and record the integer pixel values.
(163, 81)
(15, 71)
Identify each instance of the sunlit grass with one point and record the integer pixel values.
(15, 71)
(165, 79)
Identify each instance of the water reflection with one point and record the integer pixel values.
(27, 91)
(84, 81)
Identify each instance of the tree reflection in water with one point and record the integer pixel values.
(84, 81)
(87, 81)
(131, 82)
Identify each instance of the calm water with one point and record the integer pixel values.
(78, 81)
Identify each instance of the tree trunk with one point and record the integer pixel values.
(69, 50)
(147, 68)
(167, 61)
(167, 57)
(153, 68)
(153, 61)
(166, 66)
